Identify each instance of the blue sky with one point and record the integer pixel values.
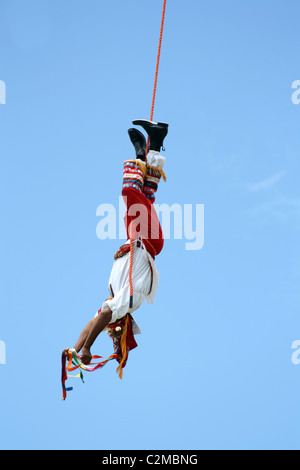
(213, 368)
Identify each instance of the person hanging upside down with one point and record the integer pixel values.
(136, 259)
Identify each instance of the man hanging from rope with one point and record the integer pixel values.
(134, 277)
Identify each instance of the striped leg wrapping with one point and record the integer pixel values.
(151, 182)
(133, 175)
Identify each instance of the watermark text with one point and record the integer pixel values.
(178, 222)
(296, 94)
(296, 353)
(2, 353)
(2, 92)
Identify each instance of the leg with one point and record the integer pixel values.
(142, 215)
(155, 162)
(155, 165)
(139, 187)
(98, 325)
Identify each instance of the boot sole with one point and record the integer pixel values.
(139, 122)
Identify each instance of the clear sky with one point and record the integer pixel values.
(213, 368)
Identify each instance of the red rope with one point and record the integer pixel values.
(131, 265)
(157, 65)
(148, 143)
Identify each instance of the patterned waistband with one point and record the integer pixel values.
(124, 249)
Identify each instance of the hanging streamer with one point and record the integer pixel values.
(123, 340)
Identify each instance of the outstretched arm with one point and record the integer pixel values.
(91, 332)
(83, 336)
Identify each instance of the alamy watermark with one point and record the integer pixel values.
(2, 92)
(2, 101)
(178, 222)
(296, 353)
(2, 353)
(296, 94)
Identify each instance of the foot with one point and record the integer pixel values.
(139, 143)
(156, 131)
(86, 356)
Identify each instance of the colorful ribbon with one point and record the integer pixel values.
(123, 341)
(74, 363)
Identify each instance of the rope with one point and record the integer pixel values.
(131, 266)
(148, 142)
(157, 66)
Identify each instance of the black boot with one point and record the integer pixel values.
(156, 131)
(139, 143)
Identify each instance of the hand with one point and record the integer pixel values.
(86, 356)
(66, 352)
